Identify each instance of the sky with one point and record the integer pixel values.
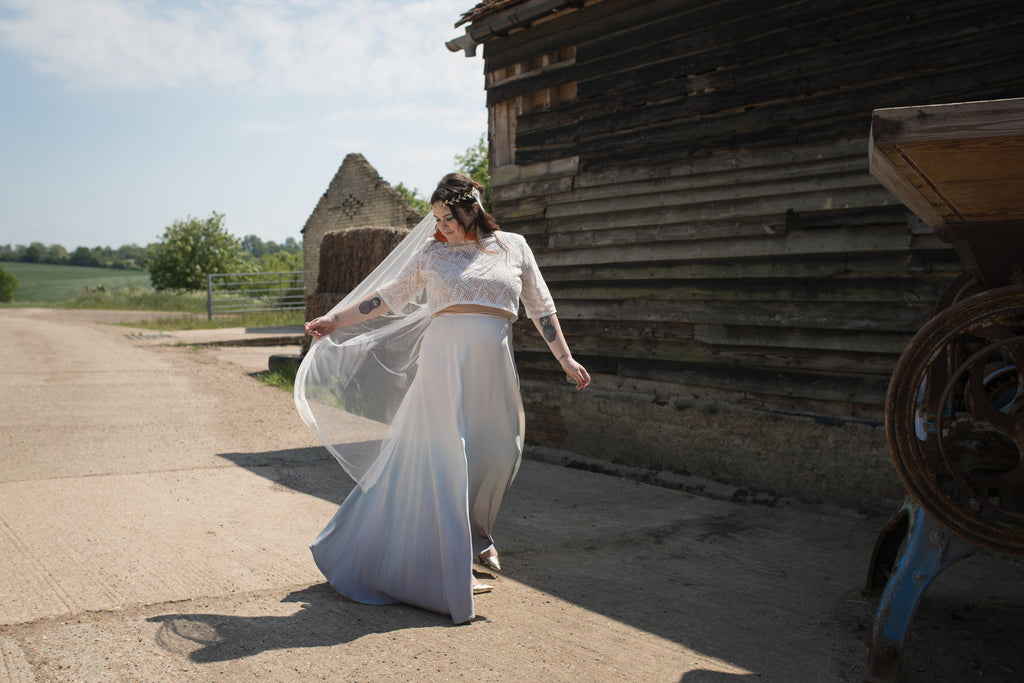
(120, 117)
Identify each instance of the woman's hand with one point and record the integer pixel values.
(577, 372)
(322, 326)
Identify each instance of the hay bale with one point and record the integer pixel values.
(319, 303)
(348, 256)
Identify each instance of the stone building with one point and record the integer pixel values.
(357, 197)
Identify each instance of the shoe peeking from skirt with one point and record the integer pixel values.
(489, 559)
(479, 588)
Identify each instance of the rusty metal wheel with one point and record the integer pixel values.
(966, 283)
(954, 418)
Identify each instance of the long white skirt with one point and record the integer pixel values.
(446, 461)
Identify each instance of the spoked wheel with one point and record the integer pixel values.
(954, 418)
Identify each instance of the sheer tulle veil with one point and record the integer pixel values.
(364, 369)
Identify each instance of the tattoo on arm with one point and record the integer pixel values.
(548, 329)
(367, 306)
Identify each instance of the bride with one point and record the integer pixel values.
(440, 370)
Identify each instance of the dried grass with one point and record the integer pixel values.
(348, 256)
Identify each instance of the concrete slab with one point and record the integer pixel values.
(156, 502)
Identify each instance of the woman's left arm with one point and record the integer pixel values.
(552, 332)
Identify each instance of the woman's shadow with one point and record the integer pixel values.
(325, 618)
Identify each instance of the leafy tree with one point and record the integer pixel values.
(8, 283)
(281, 261)
(475, 163)
(192, 249)
(254, 245)
(34, 253)
(56, 254)
(413, 198)
(84, 256)
(132, 255)
(260, 249)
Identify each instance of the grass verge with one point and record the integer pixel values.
(84, 290)
(282, 378)
(46, 284)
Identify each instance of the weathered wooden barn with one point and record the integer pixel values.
(693, 177)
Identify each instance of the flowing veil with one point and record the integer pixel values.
(364, 369)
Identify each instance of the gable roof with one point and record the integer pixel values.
(486, 8)
(496, 18)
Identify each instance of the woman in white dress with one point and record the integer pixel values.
(426, 502)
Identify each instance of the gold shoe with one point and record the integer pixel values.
(490, 561)
(479, 588)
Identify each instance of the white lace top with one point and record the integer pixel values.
(464, 274)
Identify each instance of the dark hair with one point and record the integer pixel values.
(456, 191)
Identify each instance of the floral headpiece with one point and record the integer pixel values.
(464, 198)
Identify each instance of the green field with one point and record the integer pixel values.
(79, 287)
(46, 284)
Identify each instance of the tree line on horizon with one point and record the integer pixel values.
(125, 257)
(192, 248)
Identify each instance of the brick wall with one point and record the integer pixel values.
(357, 197)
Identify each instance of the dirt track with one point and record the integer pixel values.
(156, 502)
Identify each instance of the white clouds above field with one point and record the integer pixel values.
(312, 47)
(241, 106)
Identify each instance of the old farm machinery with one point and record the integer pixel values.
(954, 412)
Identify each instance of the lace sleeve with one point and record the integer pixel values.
(409, 282)
(535, 295)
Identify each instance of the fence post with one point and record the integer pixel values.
(209, 297)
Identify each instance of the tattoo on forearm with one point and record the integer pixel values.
(548, 329)
(369, 305)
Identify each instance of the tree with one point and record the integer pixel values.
(34, 253)
(56, 254)
(192, 249)
(8, 283)
(254, 245)
(131, 256)
(83, 256)
(414, 199)
(280, 261)
(475, 163)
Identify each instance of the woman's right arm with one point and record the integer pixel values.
(372, 306)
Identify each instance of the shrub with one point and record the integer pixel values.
(8, 283)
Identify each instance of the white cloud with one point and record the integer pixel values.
(288, 86)
(372, 48)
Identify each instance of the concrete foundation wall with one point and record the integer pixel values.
(843, 463)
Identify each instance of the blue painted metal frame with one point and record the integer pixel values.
(930, 548)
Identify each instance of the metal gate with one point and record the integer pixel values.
(254, 292)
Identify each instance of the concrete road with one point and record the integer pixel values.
(156, 502)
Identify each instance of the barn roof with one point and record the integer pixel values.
(486, 8)
(494, 18)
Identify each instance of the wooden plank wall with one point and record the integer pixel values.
(697, 191)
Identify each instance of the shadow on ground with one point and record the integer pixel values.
(709, 575)
(325, 619)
